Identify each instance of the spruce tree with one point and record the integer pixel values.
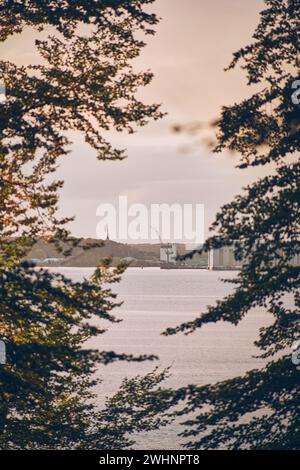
(259, 410)
(84, 82)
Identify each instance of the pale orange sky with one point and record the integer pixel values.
(193, 44)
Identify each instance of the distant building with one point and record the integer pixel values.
(36, 261)
(295, 261)
(128, 259)
(168, 253)
(47, 261)
(54, 261)
(223, 258)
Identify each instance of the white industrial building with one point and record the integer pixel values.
(223, 258)
(216, 259)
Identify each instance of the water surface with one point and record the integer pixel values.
(156, 299)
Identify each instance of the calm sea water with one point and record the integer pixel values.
(155, 299)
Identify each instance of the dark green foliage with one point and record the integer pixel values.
(263, 226)
(85, 83)
(47, 384)
(258, 411)
(119, 17)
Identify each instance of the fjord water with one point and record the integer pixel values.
(156, 299)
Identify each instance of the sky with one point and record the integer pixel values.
(193, 44)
